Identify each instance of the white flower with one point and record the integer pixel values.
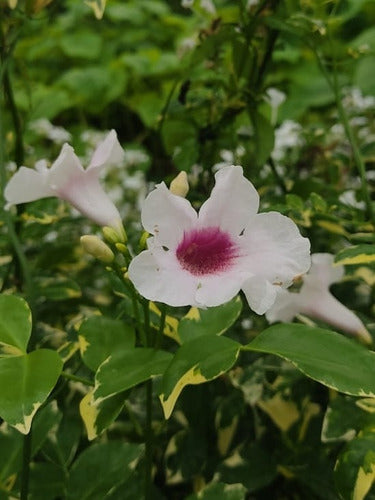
(68, 180)
(205, 259)
(45, 128)
(275, 98)
(287, 136)
(315, 300)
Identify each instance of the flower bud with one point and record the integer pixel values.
(97, 248)
(114, 236)
(180, 186)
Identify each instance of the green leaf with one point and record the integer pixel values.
(211, 321)
(358, 254)
(214, 491)
(57, 289)
(323, 355)
(355, 467)
(82, 44)
(15, 325)
(126, 369)
(100, 468)
(47, 480)
(196, 362)
(99, 337)
(25, 383)
(97, 417)
(364, 75)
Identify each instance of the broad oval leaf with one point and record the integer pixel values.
(127, 369)
(25, 383)
(211, 321)
(99, 337)
(323, 355)
(100, 468)
(15, 324)
(196, 362)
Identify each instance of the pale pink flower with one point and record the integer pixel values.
(316, 301)
(68, 180)
(205, 259)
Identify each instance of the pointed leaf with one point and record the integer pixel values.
(99, 337)
(127, 369)
(25, 383)
(322, 355)
(196, 362)
(15, 324)
(358, 254)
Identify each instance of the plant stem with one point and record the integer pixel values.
(159, 336)
(26, 456)
(148, 441)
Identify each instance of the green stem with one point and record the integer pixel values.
(148, 441)
(26, 457)
(19, 152)
(159, 336)
(75, 378)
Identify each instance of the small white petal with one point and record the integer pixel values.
(322, 272)
(260, 294)
(233, 200)
(286, 307)
(66, 167)
(275, 249)
(108, 152)
(157, 276)
(86, 194)
(214, 290)
(167, 216)
(26, 185)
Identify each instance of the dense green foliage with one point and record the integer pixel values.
(289, 409)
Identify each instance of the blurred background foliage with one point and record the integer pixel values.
(192, 85)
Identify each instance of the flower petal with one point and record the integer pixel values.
(259, 293)
(86, 194)
(108, 152)
(286, 307)
(167, 216)
(26, 185)
(322, 272)
(157, 276)
(215, 290)
(275, 249)
(65, 168)
(233, 200)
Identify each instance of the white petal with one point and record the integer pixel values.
(233, 200)
(86, 194)
(66, 167)
(167, 216)
(26, 185)
(157, 276)
(218, 289)
(322, 272)
(260, 294)
(108, 152)
(275, 249)
(285, 308)
(324, 306)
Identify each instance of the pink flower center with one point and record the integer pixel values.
(206, 251)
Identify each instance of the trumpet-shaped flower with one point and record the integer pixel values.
(205, 259)
(315, 300)
(68, 180)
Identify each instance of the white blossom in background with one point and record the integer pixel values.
(229, 158)
(68, 180)
(349, 198)
(316, 301)
(287, 136)
(251, 3)
(208, 6)
(275, 98)
(45, 128)
(356, 101)
(187, 4)
(204, 259)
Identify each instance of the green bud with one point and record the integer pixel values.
(97, 248)
(114, 235)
